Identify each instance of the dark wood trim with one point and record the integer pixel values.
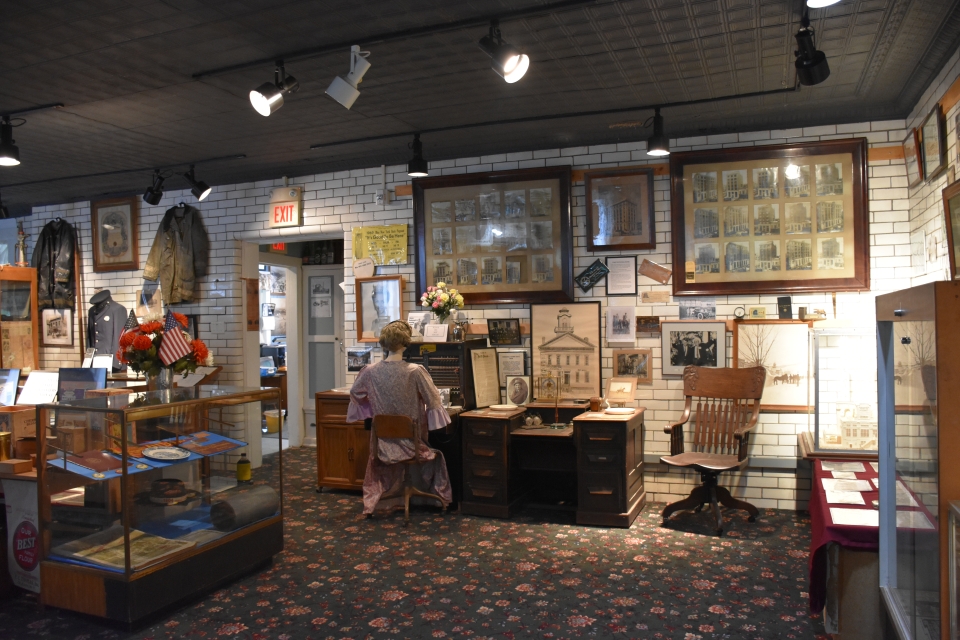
(951, 191)
(649, 219)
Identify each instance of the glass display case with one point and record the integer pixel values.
(919, 364)
(954, 559)
(844, 418)
(144, 500)
(19, 338)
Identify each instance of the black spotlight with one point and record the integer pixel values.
(812, 67)
(658, 144)
(417, 167)
(4, 212)
(508, 61)
(198, 188)
(9, 152)
(155, 191)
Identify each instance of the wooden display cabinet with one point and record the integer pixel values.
(342, 447)
(19, 319)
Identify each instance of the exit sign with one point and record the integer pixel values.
(285, 208)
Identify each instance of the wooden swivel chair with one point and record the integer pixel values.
(401, 427)
(727, 407)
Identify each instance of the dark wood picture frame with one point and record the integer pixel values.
(360, 285)
(114, 226)
(760, 352)
(951, 212)
(850, 154)
(631, 289)
(504, 292)
(913, 158)
(504, 332)
(544, 320)
(636, 183)
(933, 141)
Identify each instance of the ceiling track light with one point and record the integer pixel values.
(198, 188)
(155, 191)
(417, 167)
(268, 97)
(820, 4)
(658, 144)
(9, 152)
(508, 61)
(344, 90)
(812, 67)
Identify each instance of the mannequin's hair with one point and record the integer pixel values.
(395, 336)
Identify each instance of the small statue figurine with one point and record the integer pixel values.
(21, 246)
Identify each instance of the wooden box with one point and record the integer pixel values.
(15, 465)
(20, 420)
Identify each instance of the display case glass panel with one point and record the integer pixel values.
(19, 342)
(954, 559)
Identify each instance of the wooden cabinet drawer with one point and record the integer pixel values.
(601, 491)
(484, 473)
(601, 459)
(483, 452)
(602, 435)
(475, 430)
(484, 492)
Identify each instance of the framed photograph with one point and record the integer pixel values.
(782, 348)
(703, 344)
(499, 237)
(620, 327)
(620, 390)
(379, 302)
(358, 357)
(622, 279)
(648, 324)
(511, 363)
(951, 209)
(775, 219)
(933, 143)
(634, 363)
(56, 328)
(620, 209)
(566, 350)
(486, 382)
(418, 320)
(913, 158)
(114, 228)
(504, 332)
(518, 389)
(698, 309)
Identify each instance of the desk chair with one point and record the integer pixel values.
(727, 407)
(401, 427)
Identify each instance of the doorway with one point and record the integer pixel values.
(323, 334)
(275, 344)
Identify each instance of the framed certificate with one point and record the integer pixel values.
(622, 278)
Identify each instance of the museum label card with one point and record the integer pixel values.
(832, 484)
(40, 387)
(855, 517)
(653, 297)
(842, 466)
(435, 332)
(845, 497)
(845, 475)
(913, 520)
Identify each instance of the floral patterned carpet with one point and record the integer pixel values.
(452, 576)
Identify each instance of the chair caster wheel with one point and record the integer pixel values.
(719, 533)
(752, 519)
(698, 509)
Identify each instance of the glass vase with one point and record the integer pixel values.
(162, 381)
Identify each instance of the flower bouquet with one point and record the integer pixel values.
(441, 300)
(140, 347)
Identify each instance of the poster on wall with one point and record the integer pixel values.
(384, 244)
(252, 286)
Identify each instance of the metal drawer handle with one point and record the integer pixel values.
(482, 493)
(600, 458)
(487, 453)
(482, 432)
(600, 439)
(484, 473)
(601, 492)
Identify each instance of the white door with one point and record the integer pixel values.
(322, 301)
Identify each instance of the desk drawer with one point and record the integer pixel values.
(484, 452)
(484, 474)
(489, 493)
(475, 431)
(601, 459)
(602, 435)
(601, 491)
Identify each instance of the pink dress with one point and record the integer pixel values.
(400, 388)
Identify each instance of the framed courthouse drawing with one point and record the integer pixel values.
(379, 302)
(566, 347)
(933, 143)
(114, 229)
(785, 218)
(951, 209)
(620, 209)
(500, 237)
(782, 348)
(913, 158)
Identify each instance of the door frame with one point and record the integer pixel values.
(340, 374)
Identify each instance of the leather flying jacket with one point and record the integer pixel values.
(180, 254)
(53, 260)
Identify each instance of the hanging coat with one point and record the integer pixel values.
(54, 261)
(180, 254)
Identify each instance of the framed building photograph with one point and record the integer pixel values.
(933, 143)
(703, 344)
(114, 228)
(504, 332)
(622, 276)
(620, 324)
(511, 362)
(782, 348)
(56, 328)
(620, 209)
(566, 350)
(518, 389)
(951, 209)
(633, 363)
(379, 302)
(781, 218)
(913, 158)
(648, 324)
(499, 237)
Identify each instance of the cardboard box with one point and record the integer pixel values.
(14, 465)
(20, 420)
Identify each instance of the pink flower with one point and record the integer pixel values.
(436, 304)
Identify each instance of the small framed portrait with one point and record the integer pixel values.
(913, 159)
(518, 389)
(703, 344)
(633, 363)
(504, 332)
(648, 324)
(933, 143)
(620, 390)
(114, 229)
(56, 328)
(379, 302)
(358, 357)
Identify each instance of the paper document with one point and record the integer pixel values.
(842, 466)
(40, 387)
(191, 379)
(913, 520)
(845, 475)
(876, 466)
(855, 517)
(832, 484)
(905, 498)
(845, 497)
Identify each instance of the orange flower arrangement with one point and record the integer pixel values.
(139, 348)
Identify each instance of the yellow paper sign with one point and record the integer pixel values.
(383, 245)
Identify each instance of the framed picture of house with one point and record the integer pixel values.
(56, 328)
(703, 344)
(783, 218)
(114, 229)
(933, 143)
(379, 302)
(782, 348)
(620, 209)
(500, 237)
(913, 158)
(565, 341)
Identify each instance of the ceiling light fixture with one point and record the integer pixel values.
(417, 167)
(658, 144)
(344, 90)
(198, 188)
(9, 152)
(268, 97)
(509, 63)
(820, 4)
(812, 67)
(155, 191)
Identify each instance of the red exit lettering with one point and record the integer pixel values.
(279, 246)
(283, 213)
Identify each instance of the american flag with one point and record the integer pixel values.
(130, 325)
(173, 346)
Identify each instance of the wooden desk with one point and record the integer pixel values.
(279, 381)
